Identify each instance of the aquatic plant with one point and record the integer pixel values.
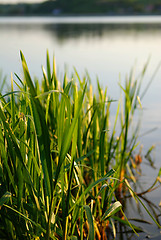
(62, 171)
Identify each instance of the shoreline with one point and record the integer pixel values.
(83, 19)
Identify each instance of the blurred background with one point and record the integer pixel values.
(110, 7)
(107, 38)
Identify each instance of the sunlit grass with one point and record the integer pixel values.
(62, 171)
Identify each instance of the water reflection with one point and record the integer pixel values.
(100, 29)
(66, 31)
(106, 50)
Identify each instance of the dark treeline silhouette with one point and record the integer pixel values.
(64, 7)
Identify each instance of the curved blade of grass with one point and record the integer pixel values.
(113, 227)
(5, 198)
(115, 207)
(104, 186)
(19, 79)
(131, 226)
(143, 205)
(9, 93)
(127, 223)
(27, 76)
(45, 79)
(12, 102)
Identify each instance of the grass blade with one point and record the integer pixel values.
(90, 222)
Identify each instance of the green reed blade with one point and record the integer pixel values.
(20, 80)
(12, 102)
(79, 145)
(102, 146)
(3, 79)
(47, 106)
(64, 121)
(90, 222)
(45, 79)
(27, 76)
(54, 76)
(111, 143)
(85, 138)
(48, 67)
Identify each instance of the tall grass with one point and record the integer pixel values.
(61, 169)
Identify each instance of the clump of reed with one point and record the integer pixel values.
(62, 172)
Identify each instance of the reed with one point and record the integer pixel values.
(60, 168)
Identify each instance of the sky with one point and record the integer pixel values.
(20, 1)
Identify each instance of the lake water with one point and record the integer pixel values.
(108, 47)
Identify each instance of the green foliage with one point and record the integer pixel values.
(60, 166)
(49, 7)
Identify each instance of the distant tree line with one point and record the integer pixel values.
(108, 7)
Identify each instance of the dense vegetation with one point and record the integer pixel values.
(109, 7)
(63, 169)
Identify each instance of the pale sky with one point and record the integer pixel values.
(20, 1)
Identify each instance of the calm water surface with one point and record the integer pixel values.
(106, 47)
